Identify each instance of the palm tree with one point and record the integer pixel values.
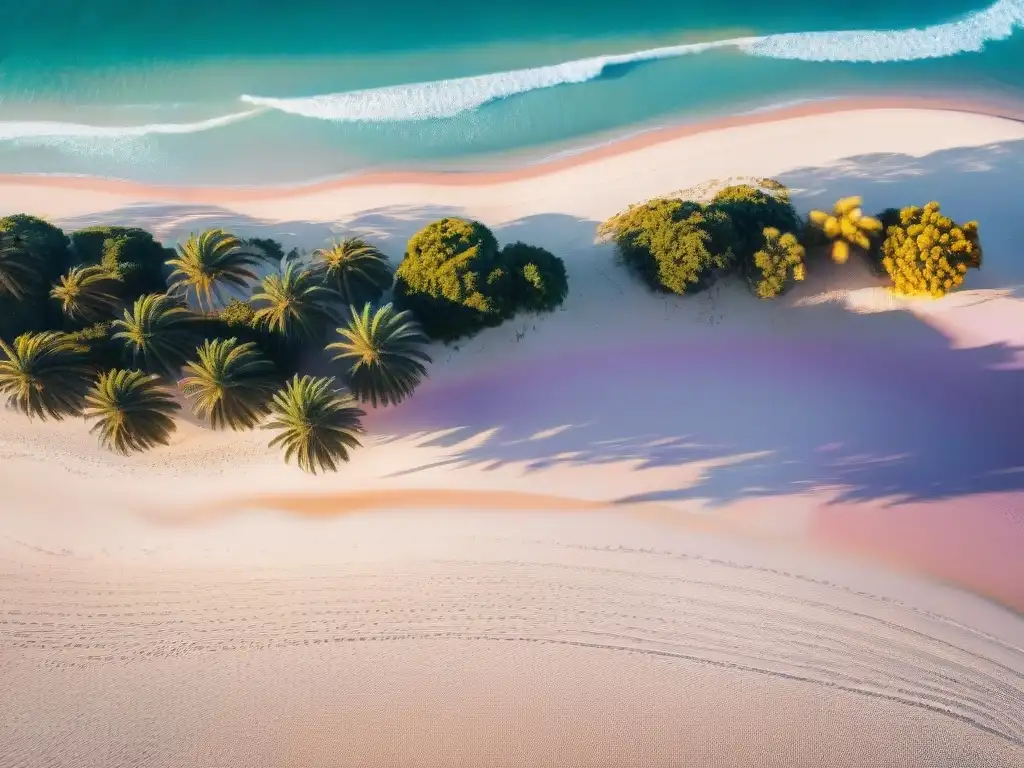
(158, 332)
(212, 259)
(296, 306)
(84, 293)
(17, 272)
(384, 353)
(315, 423)
(845, 226)
(44, 374)
(132, 411)
(358, 271)
(231, 384)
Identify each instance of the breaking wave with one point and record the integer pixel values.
(449, 98)
(53, 131)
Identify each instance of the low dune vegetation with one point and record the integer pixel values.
(111, 325)
(684, 246)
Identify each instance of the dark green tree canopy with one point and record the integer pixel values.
(539, 280)
(675, 246)
(751, 211)
(457, 282)
(46, 244)
(129, 254)
(35, 255)
(453, 280)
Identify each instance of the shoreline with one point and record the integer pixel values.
(562, 160)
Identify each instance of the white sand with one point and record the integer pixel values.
(745, 591)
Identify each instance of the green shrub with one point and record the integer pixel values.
(47, 244)
(102, 351)
(129, 253)
(47, 248)
(674, 246)
(753, 210)
(778, 263)
(927, 253)
(452, 278)
(540, 283)
(238, 314)
(238, 320)
(29, 314)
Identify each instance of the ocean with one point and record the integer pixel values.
(231, 92)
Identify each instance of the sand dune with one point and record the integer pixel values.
(702, 531)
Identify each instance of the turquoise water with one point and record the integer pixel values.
(231, 92)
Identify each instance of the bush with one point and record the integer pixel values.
(927, 253)
(128, 253)
(47, 244)
(779, 261)
(890, 217)
(453, 280)
(540, 283)
(238, 320)
(674, 246)
(102, 351)
(31, 313)
(47, 247)
(238, 314)
(753, 210)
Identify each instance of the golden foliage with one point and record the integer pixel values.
(927, 254)
(780, 259)
(846, 226)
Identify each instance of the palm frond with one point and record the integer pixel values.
(85, 293)
(44, 374)
(356, 270)
(295, 305)
(158, 332)
(17, 271)
(315, 424)
(230, 384)
(211, 260)
(132, 411)
(383, 353)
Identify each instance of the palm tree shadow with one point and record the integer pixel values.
(764, 417)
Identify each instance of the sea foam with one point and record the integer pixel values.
(55, 132)
(443, 99)
(449, 98)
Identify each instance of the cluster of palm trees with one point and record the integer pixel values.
(229, 383)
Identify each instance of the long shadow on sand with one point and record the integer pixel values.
(910, 420)
(868, 407)
(388, 228)
(970, 182)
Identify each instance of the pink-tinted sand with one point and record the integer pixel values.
(217, 194)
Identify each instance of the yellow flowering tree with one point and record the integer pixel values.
(780, 259)
(846, 225)
(928, 254)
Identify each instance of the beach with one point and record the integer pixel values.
(638, 531)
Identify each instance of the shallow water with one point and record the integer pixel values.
(228, 93)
